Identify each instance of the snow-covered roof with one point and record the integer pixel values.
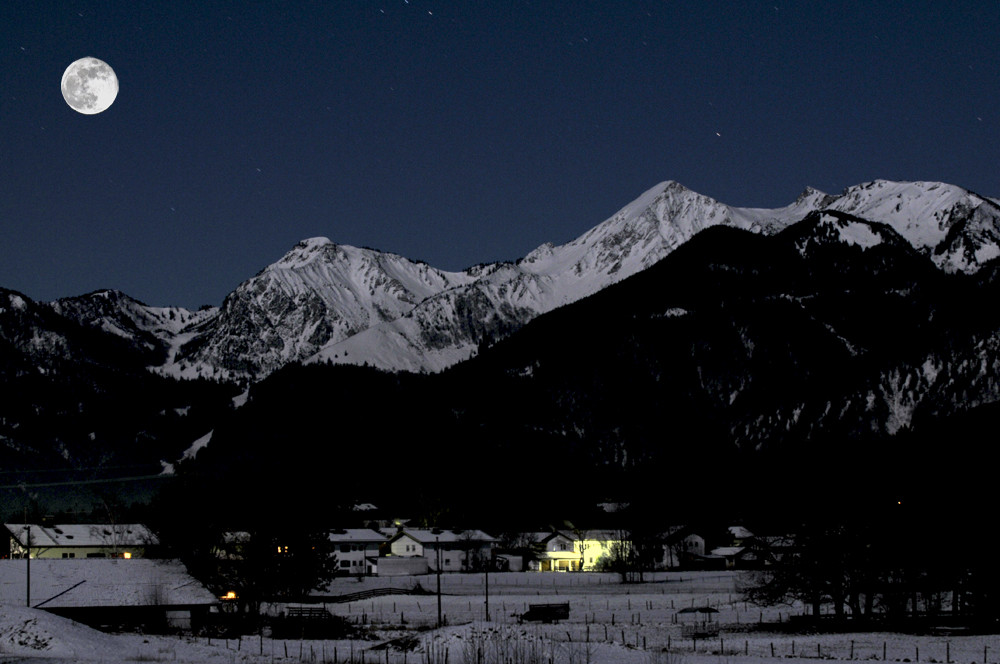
(603, 535)
(102, 582)
(428, 536)
(739, 532)
(726, 551)
(545, 536)
(84, 535)
(358, 535)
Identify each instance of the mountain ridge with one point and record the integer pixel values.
(323, 302)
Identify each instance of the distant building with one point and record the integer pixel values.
(357, 549)
(554, 551)
(681, 545)
(122, 540)
(595, 545)
(454, 550)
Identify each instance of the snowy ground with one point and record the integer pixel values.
(608, 623)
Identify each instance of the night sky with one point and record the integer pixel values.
(457, 131)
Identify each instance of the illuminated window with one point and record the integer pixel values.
(127, 555)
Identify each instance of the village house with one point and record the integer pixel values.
(731, 555)
(358, 549)
(554, 551)
(590, 550)
(453, 550)
(680, 546)
(122, 540)
(739, 535)
(595, 545)
(761, 551)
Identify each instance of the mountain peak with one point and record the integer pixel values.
(810, 193)
(318, 241)
(305, 252)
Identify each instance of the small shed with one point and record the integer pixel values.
(696, 622)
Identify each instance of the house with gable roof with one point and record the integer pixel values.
(358, 549)
(554, 551)
(454, 550)
(120, 540)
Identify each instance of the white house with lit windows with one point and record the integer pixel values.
(593, 545)
(554, 551)
(120, 540)
(358, 549)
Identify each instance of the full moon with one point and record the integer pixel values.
(89, 86)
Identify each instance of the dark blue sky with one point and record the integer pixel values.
(455, 131)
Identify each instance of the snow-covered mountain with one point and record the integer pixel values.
(958, 228)
(159, 330)
(324, 302)
(318, 293)
(447, 328)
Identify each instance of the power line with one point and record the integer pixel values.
(110, 480)
(69, 470)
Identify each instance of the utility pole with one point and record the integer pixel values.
(437, 548)
(489, 561)
(27, 563)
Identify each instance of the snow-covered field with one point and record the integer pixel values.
(608, 623)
